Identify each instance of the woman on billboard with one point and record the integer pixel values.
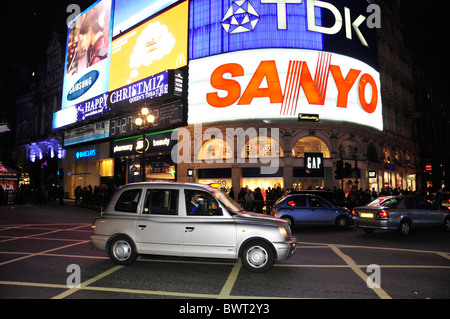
(93, 40)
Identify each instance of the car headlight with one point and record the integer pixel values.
(285, 231)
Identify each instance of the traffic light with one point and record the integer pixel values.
(339, 170)
(348, 170)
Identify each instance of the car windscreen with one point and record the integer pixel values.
(232, 206)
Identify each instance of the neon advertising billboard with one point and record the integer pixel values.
(129, 69)
(154, 46)
(88, 51)
(129, 12)
(270, 59)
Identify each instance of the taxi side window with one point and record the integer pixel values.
(161, 202)
(128, 201)
(199, 203)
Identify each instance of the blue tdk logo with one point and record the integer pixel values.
(240, 17)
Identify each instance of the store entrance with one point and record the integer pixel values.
(308, 183)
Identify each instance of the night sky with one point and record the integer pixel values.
(26, 28)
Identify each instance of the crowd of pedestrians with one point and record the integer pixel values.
(261, 200)
(40, 194)
(97, 196)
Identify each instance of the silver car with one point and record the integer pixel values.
(190, 220)
(400, 213)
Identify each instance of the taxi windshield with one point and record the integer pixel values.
(232, 206)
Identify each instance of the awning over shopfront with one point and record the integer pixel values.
(8, 177)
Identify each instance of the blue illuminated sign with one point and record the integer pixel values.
(222, 26)
(88, 153)
(218, 26)
(149, 88)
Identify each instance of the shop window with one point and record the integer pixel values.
(262, 147)
(372, 154)
(387, 156)
(107, 167)
(310, 144)
(215, 149)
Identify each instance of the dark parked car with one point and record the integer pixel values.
(311, 210)
(401, 213)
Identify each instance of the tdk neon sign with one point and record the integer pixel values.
(373, 21)
(88, 153)
(300, 24)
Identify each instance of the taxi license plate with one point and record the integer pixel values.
(366, 215)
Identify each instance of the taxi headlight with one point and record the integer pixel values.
(284, 232)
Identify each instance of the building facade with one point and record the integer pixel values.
(258, 75)
(307, 94)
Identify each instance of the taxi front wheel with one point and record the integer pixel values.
(257, 256)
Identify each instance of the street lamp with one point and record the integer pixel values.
(144, 121)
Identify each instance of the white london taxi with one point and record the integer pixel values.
(188, 220)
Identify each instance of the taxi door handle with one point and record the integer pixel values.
(142, 227)
(189, 229)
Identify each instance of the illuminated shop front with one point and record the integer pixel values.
(88, 165)
(128, 155)
(141, 64)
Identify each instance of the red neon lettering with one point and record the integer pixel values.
(232, 87)
(268, 70)
(298, 77)
(343, 85)
(368, 107)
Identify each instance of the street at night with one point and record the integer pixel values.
(39, 243)
(183, 118)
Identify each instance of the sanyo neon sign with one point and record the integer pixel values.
(281, 84)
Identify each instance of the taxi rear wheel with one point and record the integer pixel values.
(257, 256)
(122, 251)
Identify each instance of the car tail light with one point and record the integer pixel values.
(354, 213)
(383, 214)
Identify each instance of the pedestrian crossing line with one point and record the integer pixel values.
(378, 290)
(32, 284)
(42, 252)
(445, 255)
(36, 236)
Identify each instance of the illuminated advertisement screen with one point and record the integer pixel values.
(221, 26)
(129, 12)
(154, 46)
(88, 51)
(281, 84)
